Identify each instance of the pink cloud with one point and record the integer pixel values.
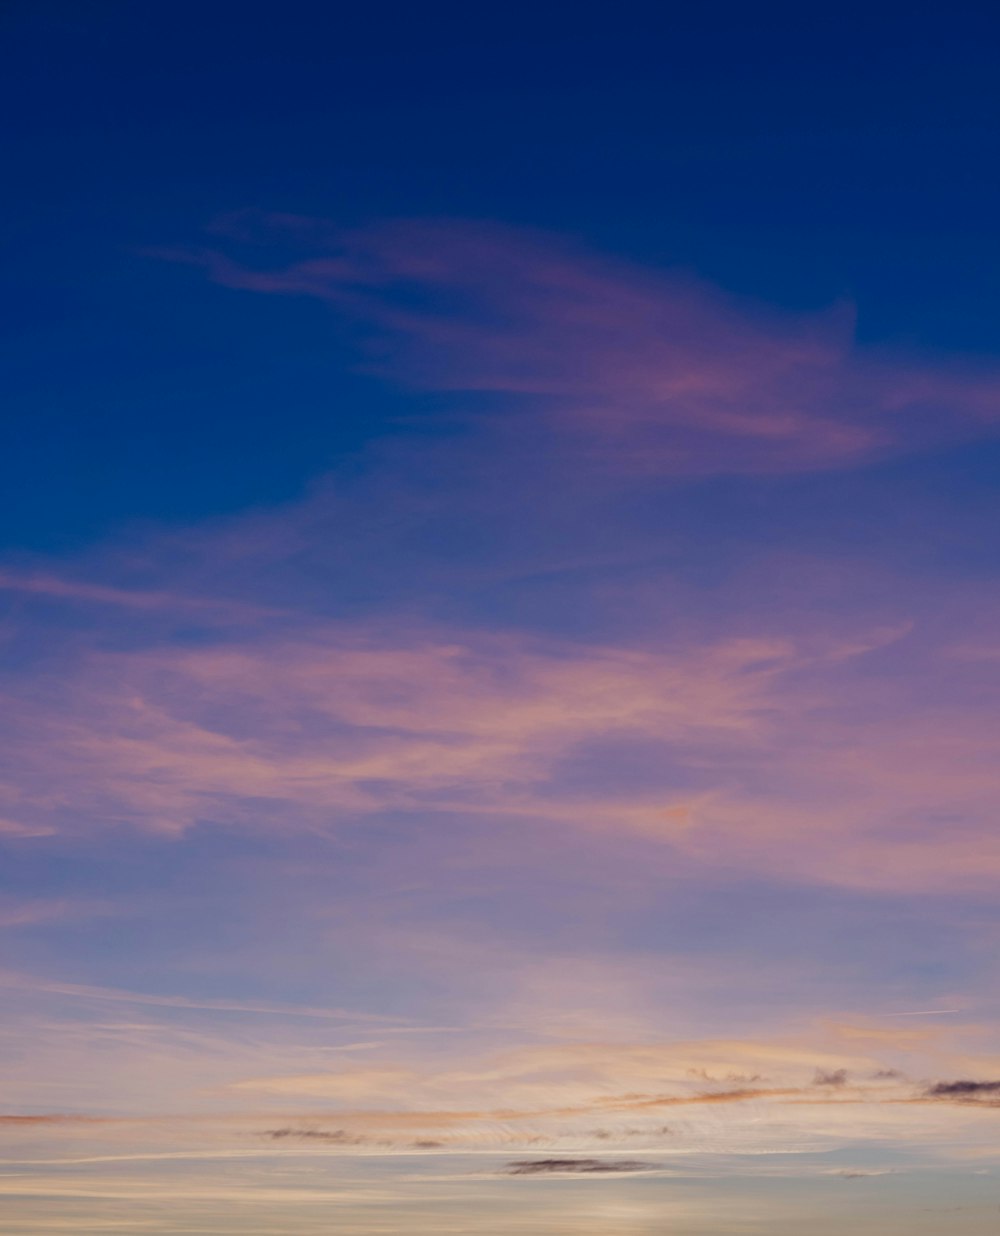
(58, 588)
(340, 726)
(35, 911)
(642, 373)
(768, 755)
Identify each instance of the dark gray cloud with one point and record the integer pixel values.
(741, 1078)
(838, 1077)
(540, 1167)
(963, 1089)
(337, 1136)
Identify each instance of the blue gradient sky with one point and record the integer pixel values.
(498, 630)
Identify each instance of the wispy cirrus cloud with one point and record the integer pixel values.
(650, 374)
(342, 724)
(671, 1097)
(89, 992)
(60, 588)
(40, 911)
(765, 752)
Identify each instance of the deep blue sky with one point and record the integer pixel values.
(795, 153)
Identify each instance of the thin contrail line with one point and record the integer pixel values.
(924, 1012)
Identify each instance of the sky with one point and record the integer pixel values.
(498, 641)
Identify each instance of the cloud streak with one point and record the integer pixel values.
(570, 1167)
(654, 375)
(757, 749)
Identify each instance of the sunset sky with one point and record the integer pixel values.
(498, 620)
